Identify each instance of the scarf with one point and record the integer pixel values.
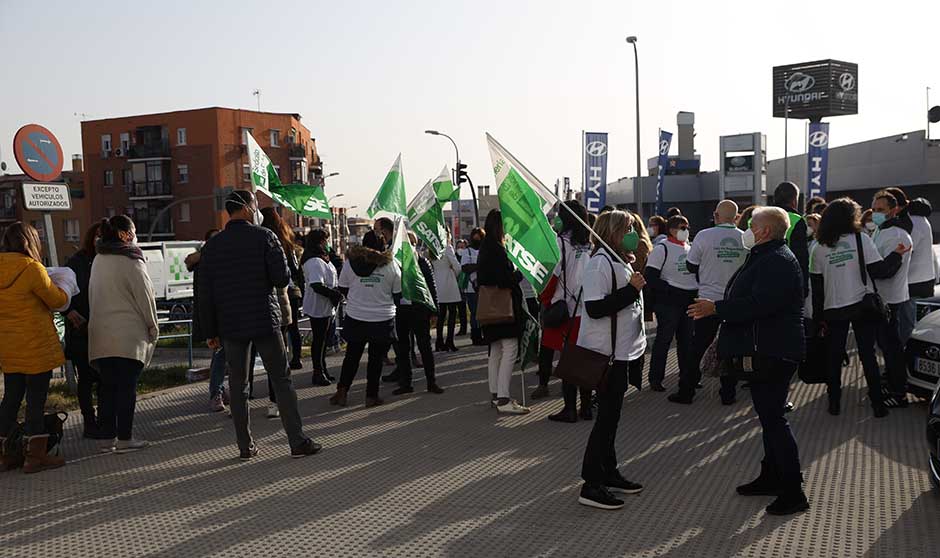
(119, 248)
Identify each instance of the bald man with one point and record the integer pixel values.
(716, 255)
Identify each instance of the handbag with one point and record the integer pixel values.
(872, 306)
(815, 367)
(587, 368)
(710, 364)
(557, 313)
(494, 306)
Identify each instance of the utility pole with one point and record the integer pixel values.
(257, 93)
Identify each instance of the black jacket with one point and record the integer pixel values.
(762, 313)
(428, 273)
(495, 270)
(76, 340)
(799, 245)
(240, 269)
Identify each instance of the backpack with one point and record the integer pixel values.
(15, 446)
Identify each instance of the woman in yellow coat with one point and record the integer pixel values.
(29, 344)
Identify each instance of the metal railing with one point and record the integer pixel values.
(163, 320)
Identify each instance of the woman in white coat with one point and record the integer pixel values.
(446, 269)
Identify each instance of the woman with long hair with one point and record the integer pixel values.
(122, 329)
(295, 293)
(446, 270)
(839, 291)
(494, 269)
(321, 298)
(29, 344)
(612, 290)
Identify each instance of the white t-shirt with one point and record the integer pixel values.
(370, 298)
(922, 268)
(839, 267)
(469, 256)
(669, 258)
(893, 290)
(318, 271)
(576, 260)
(595, 334)
(718, 252)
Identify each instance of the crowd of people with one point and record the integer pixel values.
(750, 293)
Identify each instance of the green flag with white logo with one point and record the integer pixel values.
(426, 219)
(529, 343)
(303, 199)
(524, 202)
(391, 195)
(444, 187)
(413, 286)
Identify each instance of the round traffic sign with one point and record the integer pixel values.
(38, 153)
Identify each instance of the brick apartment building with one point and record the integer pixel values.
(140, 165)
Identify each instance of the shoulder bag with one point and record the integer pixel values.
(873, 307)
(557, 314)
(494, 306)
(586, 368)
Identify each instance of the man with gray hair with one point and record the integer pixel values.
(761, 340)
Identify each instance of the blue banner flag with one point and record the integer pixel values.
(818, 158)
(595, 171)
(665, 140)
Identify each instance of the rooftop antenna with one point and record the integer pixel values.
(257, 93)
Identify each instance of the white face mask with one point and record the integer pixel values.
(256, 217)
(748, 239)
(870, 226)
(682, 235)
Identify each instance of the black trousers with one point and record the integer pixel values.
(671, 322)
(319, 333)
(35, 388)
(447, 312)
(462, 311)
(770, 397)
(546, 361)
(89, 388)
(704, 333)
(600, 455)
(354, 350)
(414, 323)
(533, 306)
(865, 333)
(293, 330)
(887, 335)
(119, 396)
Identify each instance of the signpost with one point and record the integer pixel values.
(39, 154)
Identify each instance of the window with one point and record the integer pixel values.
(108, 178)
(72, 230)
(245, 133)
(275, 138)
(246, 173)
(299, 171)
(128, 180)
(125, 142)
(184, 212)
(277, 170)
(181, 136)
(105, 142)
(183, 173)
(109, 212)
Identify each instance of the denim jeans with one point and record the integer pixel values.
(888, 337)
(119, 395)
(907, 317)
(35, 387)
(780, 450)
(216, 373)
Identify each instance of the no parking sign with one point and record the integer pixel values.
(38, 153)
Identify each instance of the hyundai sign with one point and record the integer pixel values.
(818, 158)
(815, 89)
(595, 171)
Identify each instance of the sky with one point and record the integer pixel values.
(369, 77)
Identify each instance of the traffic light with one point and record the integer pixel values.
(462, 173)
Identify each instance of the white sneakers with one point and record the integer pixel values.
(273, 411)
(106, 446)
(512, 408)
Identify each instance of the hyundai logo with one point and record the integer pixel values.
(818, 139)
(663, 147)
(847, 82)
(799, 82)
(596, 149)
(932, 352)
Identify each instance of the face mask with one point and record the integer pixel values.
(682, 235)
(748, 239)
(871, 226)
(654, 231)
(878, 218)
(475, 244)
(327, 247)
(257, 218)
(630, 241)
(557, 224)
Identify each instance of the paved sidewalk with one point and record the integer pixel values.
(429, 475)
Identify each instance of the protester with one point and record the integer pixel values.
(868, 226)
(122, 329)
(462, 282)
(892, 232)
(295, 293)
(218, 395)
(675, 287)
(371, 283)
(839, 295)
(813, 204)
(657, 229)
(446, 269)
(762, 337)
(786, 197)
(240, 269)
(716, 255)
(645, 246)
(744, 219)
(922, 276)
(76, 334)
(385, 229)
(468, 265)
(812, 223)
(673, 212)
(29, 344)
(494, 269)
(321, 298)
(413, 321)
(611, 291)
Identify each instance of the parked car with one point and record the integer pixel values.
(923, 349)
(933, 437)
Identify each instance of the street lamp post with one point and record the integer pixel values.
(476, 217)
(638, 195)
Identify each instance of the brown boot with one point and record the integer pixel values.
(36, 457)
(7, 462)
(374, 402)
(339, 398)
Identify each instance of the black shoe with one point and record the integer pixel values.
(439, 346)
(391, 378)
(728, 400)
(308, 447)
(434, 388)
(700, 385)
(566, 415)
(329, 377)
(788, 407)
(404, 390)
(657, 387)
(835, 407)
(619, 485)
(896, 401)
(598, 497)
(789, 503)
(479, 343)
(320, 380)
(296, 365)
(681, 398)
(450, 347)
(881, 411)
(462, 332)
(586, 412)
(247, 454)
(766, 484)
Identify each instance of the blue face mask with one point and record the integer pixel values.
(879, 218)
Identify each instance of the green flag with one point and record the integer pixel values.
(426, 219)
(263, 174)
(530, 341)
(391, 195)
(303, 199)
(413, 286)
(524, 202)
(444, 187)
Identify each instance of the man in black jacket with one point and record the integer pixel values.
(239, 271)
(786, 197)
(762, 336)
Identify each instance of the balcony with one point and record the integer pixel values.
(297, 150)
(150, 189)
(149, 150)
